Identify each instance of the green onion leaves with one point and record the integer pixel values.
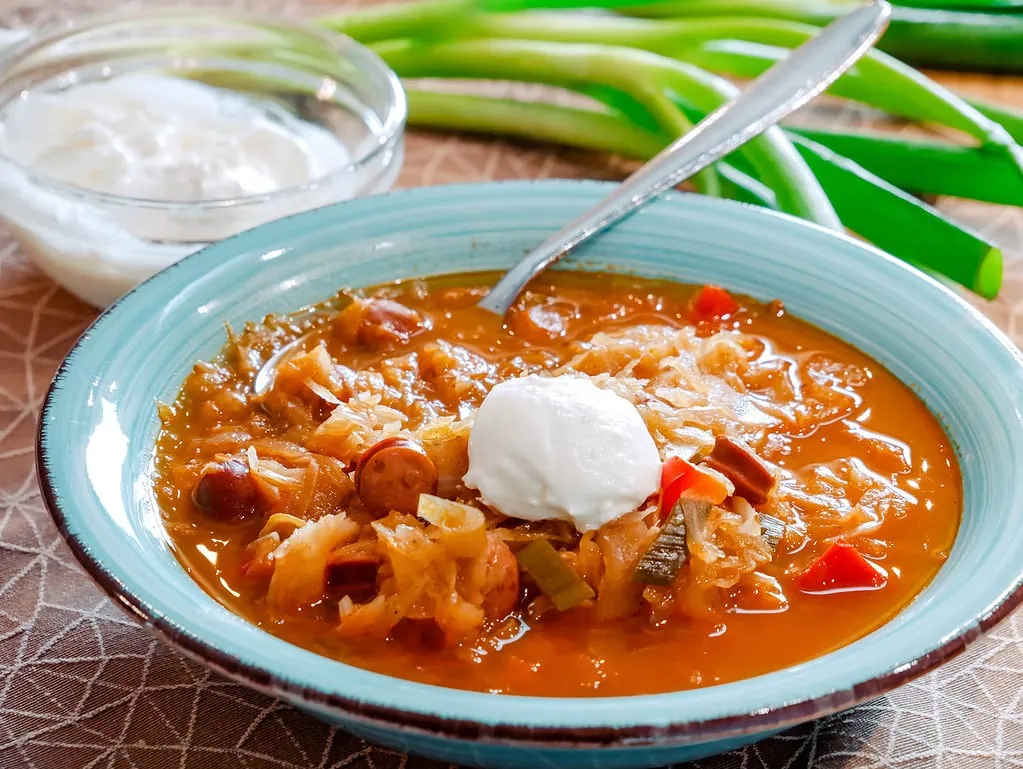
(644, 81)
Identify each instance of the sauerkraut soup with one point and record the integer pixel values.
(630, 487)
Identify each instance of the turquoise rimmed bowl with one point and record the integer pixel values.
(99, 424)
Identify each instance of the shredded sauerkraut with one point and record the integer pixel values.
(450, 564)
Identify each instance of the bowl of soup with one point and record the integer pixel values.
(719, 473)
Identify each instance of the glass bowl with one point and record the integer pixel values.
(99, 245)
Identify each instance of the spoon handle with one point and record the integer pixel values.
(781, 90)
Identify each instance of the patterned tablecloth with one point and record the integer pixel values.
(82, 686)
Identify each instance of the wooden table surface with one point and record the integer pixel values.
(82, 686)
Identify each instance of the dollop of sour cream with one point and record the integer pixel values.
(561, 448)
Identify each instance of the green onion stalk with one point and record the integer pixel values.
(648, 78)
(964, 5)
(1002, 127)
(867, 204)
(433, 18)
(924, 167)
(746, 48)
(651, 78)
(900, 224)
(927, 167)
(877, 80)
(920, 166)
(1010, 119)
(952, 34)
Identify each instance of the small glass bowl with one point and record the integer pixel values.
(99, 245)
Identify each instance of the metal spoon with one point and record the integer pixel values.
(781, 90)
(264, 377)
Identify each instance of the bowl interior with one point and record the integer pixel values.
(99, 423)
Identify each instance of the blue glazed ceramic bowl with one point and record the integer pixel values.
(99, 424)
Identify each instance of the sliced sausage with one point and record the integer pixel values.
(540, 323)
(501, 588)
(226, 491)
(379, 324)
(386, 323)
(391, 475)
(353, 574)
(735, 460)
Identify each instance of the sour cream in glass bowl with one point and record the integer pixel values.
(130, 141)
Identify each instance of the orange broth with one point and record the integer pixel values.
(574, 653)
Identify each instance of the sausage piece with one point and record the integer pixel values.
(226, 491)
(501, 588)
(353, 574)
(378, 324)
(391, 475)
(540, 323)
(740, 464)
(386, 323)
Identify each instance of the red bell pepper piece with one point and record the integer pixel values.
(676, 476)
(842, 568)
(679, 477)
(713, 302)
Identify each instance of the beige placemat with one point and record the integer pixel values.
(82, 686)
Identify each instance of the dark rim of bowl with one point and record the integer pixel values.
(767, 720)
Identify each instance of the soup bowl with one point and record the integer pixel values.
(99, 423)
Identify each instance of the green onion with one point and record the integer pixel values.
(565, 66)
(571, 126)
(749, 60)
(740, 186)
(394, 21)
(921, 233)
(771, 529)
(1010, 119)
(991, 42)
(879, 80)
(899, 223)
(956, 40)
(883, 214)
(964, 5)
(668, 553)
(432, 18)
(526, 5)
(646, 77)
(1004, 126)
(743, 47)
(927, 167)
(564, 587)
